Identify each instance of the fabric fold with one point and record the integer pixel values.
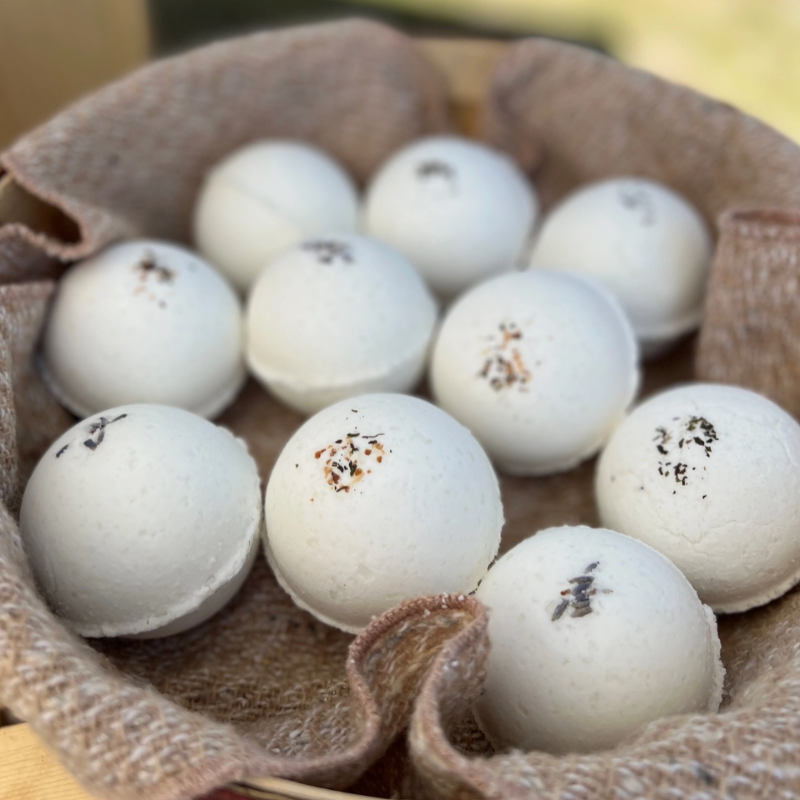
(751, 328)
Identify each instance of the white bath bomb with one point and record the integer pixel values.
(265, 197)
(539, 365)
(378, 499)
(144, 322)
(142, 521)
(592, 635)
(710, 476)
(338, 316)
(458, 210)
(646, 243)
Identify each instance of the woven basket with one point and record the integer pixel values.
(164, 720)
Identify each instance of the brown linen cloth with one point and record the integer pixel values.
(263, 688)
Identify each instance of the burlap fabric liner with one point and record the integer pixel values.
(263, 688)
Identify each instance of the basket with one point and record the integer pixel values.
(568, 116)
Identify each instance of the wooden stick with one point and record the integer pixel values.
(28, 770)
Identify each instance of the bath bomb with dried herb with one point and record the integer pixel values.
(593, 634)
(141, 521)
(458, 210)
(645, 242)
(144, 322)
(710, 475)
(265, 197)
(539, 365)
(378, 499)
(338, 316)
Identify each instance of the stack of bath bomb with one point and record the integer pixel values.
(266, 197)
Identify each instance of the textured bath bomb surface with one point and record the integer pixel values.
(141, 521)
(338, 316)
(265, 197)
(645, 242)
(593, 634)
(458, 210)
(378, 499)
(710, 475)
(539, 365)
(144, 322)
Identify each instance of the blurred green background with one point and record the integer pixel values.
(746, 52)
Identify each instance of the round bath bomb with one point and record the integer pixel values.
(539, 365)
(144, 322)
(593, 634)
(710, 476)
(378, 499)
(336, 317)
(458, 210)
(141, 521)
(646, 243)
(266, 197)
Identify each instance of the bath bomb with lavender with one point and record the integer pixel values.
(645, 242)
(141, 521)
(593, 634)
(458, 210)
(539, 365)
(144, 322)
(710, 475)
(338, 316)
(265, 197)
(378, 499)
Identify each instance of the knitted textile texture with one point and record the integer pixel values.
(263, 689)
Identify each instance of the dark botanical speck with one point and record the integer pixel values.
(638, 199)
(578, 598)
(435, 168)
(328, 251)
(98, 429)
(148, 265)
(695, 435)
(560, 609)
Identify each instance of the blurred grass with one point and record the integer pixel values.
(746, 52)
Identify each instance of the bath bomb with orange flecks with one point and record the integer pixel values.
(378, 499)
(540, 366)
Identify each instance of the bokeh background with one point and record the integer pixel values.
(746, 52)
